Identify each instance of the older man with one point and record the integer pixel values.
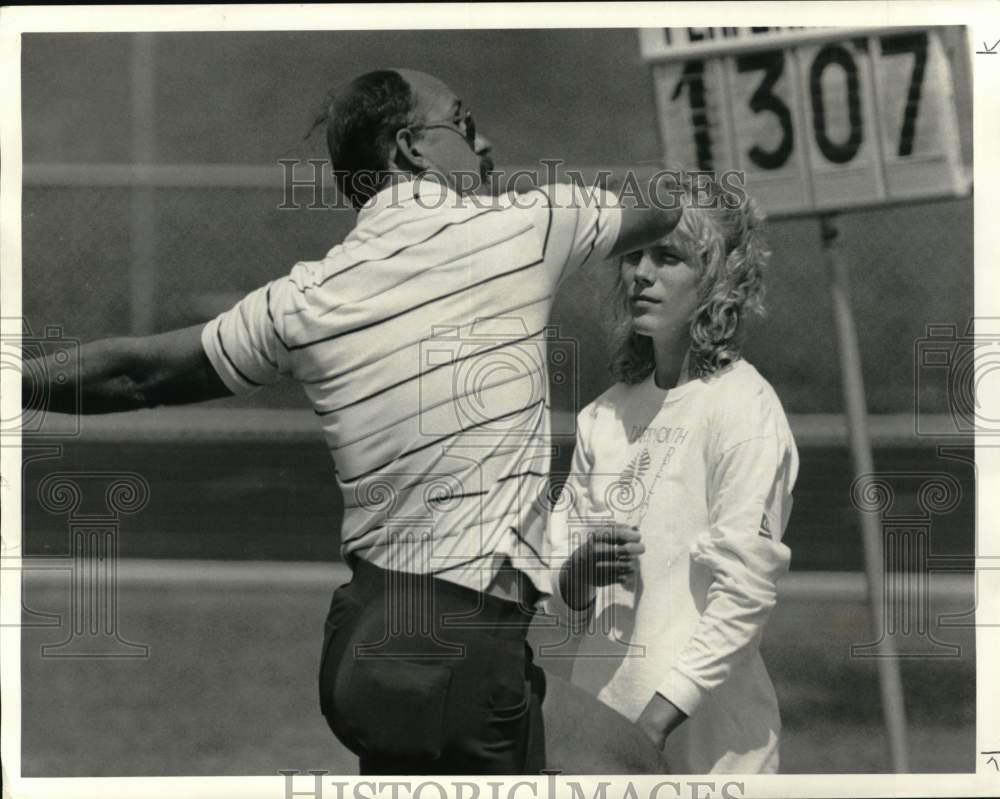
(421, 342)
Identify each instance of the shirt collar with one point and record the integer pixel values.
(426, 191)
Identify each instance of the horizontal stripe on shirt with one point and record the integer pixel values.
(422, 343)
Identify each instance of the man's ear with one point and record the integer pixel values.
(407, 153)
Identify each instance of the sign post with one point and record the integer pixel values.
(819, 120)
(890, 679)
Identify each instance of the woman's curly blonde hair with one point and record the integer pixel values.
(726, 244)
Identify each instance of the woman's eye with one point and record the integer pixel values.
(667, 258)
(633, 258)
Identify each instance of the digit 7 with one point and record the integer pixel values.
(915, 43)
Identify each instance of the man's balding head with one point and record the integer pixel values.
(362, 121)
(376, 126)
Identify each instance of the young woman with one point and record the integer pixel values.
(673, 515)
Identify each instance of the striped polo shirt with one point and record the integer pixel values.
(422, 342)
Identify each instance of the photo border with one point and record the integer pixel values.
(983, 21)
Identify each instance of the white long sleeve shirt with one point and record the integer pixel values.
(705, 470)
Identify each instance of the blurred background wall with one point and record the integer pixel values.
(580, 95)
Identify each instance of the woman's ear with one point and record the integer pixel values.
(407, 154)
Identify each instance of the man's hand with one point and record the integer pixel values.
(123, 374)
(608, 555)
(659, 718)
(652, 204)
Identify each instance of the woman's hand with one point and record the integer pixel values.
(659, 718)
(608, 555)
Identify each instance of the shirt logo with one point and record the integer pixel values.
(635, 469)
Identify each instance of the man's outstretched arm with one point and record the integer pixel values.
(124, 374)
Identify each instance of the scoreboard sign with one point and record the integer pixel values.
(818, 119)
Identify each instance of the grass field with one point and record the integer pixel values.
(229, 685)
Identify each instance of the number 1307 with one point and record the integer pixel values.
(819, 127)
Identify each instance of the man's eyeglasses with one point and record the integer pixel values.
(467, 131)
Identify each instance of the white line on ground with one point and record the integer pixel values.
(132, 573)
(264, 425)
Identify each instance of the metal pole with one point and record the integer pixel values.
(891, 683)
(142, 206)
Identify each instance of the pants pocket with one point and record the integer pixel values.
(395, 707)
(507, 729)
(512, 712)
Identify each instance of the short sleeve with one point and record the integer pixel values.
(242, 345)
(580, 225)
(574, 498)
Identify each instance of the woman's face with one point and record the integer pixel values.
(662, 290)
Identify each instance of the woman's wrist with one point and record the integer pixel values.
(659, 718)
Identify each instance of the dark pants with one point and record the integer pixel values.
(421, 676)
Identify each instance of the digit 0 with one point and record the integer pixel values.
(836, 152)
